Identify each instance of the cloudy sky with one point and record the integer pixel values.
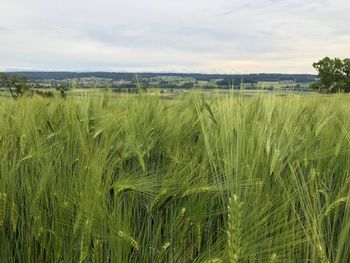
(222, 36)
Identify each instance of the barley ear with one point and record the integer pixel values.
(274, 161)
(180, 217)
(129, 239)
(14, 217)
(322, 254)
(234, 229)
(85, 241)
(158, 198)
(273, 258)
(198, 236)
(97, 251)
(333, 206)
(3, 202)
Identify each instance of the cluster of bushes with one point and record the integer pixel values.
(123, 89)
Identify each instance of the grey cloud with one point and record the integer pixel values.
(180, 35)
(4, 29)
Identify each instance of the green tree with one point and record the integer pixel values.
(333, 74)
(346, 70)
(18, 86)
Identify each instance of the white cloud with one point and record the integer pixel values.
(157, 35)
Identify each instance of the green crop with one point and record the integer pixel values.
(138, 178)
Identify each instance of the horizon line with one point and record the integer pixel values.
(148, 72)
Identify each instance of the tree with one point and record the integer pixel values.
(346, 70)
(188, 85)
(17, 86)
(333, 74)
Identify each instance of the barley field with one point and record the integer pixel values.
(143, 179)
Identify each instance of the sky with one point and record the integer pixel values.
(221, 36)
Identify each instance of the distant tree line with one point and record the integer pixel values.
(238, 78)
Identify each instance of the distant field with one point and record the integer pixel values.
(199, 179)
(248, 89)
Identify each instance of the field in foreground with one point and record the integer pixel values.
(141, 179)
